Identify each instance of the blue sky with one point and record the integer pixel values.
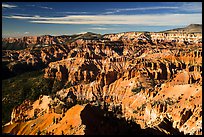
(59, 18)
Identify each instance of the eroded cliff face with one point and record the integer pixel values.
(32, 41)
(150, 84)
(33, 58)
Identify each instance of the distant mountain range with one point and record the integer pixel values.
(192, 28)
(47, 40)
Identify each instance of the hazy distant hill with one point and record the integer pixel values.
(48, 40)
(192, 28)
(88, 35)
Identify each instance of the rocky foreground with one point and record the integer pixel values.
(119, 84)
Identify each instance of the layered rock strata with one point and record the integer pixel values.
(149, 83)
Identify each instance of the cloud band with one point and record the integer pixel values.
(147, 19)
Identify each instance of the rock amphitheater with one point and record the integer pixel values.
(137, 83)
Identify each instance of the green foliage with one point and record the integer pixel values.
(68, 85)
(53, 120)
(35, 115)
(156, 103)
(137, 89)
(143, 107)
(29, 85)
(44, 132)
(135, 111)
(169, 101)
(86, 56)
(81, 102)
(57, 85)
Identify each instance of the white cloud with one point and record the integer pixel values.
(22, 17)
(83, 32)
(191, 7)
(26, 32)
(8, 6)
(72, 12)
(98, 28)
(66, 18)
(43, 7)
(135, 9)
(183, 6)
(112, 11)
(146, 19)
(31, 5)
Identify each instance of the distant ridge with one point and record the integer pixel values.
(192, 28)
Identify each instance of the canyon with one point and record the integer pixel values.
(145, 83)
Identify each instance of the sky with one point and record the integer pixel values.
(67, 18)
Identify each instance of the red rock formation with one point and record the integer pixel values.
(148, 82)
